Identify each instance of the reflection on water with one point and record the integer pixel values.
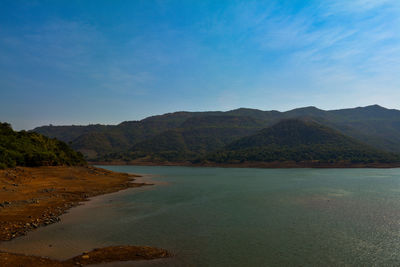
(236, 217)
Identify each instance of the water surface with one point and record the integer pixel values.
(237, 217)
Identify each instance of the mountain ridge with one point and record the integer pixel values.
(374, 125)
(299, 140)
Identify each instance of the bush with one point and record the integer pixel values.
(32, 149)
(2, 166)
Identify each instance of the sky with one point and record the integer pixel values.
(93, 61)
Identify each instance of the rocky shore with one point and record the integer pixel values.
(100, 255)
(35, 197)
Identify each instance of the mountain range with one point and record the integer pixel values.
(364, 134)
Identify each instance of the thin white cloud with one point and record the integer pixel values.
(333, 7)
(367, 44)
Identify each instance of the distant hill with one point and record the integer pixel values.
(33, 149)
(197, 133)
(194, 138)
(300, 141)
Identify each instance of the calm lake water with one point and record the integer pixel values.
(239, 217)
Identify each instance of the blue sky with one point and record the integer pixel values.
(80, 62)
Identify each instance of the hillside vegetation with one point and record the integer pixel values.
(194, 138)
(188, 136)
(300, 141)
(33, 149)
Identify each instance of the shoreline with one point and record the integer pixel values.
(95, 256)
(35, 197)
(266, 165)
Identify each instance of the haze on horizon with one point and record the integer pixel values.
(80, 62)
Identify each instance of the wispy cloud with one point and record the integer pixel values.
(333, 7)
(331, 48)
(75, 49)
(356, 47)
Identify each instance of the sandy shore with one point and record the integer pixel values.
(35, 197)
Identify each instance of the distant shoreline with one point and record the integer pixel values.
(267, 165)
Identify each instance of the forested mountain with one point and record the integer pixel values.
(33, 149)
(189, 135)
(193, 139)
(300, 141)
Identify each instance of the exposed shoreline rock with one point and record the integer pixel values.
(99, 255)
(34, 197)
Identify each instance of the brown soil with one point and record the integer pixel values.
(34, 197)
(101, 255)
(119, 253)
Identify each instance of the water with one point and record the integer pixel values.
(239, 217)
